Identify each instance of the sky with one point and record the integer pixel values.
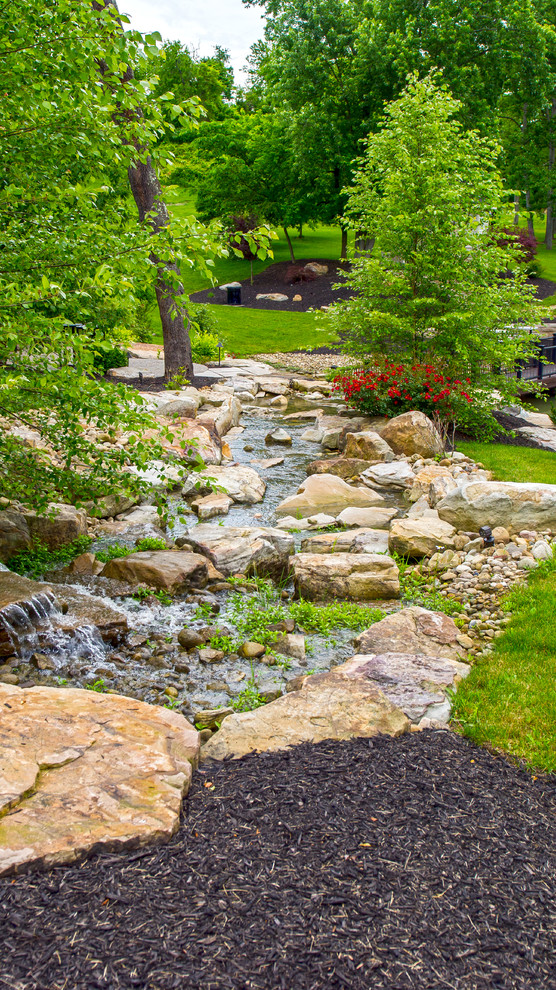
(201, 24)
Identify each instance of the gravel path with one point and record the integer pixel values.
(420, 862)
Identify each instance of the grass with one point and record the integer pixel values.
(254, 331)
(546, 258)
(514, 463)
(509, 700)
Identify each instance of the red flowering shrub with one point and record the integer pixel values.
(388, 389)
(526, 242)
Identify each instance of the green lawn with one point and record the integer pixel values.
(514, 463)
(546, 258)
(509, 699)
(252, 331)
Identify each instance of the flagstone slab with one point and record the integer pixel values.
(82, 772)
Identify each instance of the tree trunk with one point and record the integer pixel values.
(344, 247)
(530, 221)
(516, 209)
(288, 238)
(549, 234)
(152, 209)
(300, 231)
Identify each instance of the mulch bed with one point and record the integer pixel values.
(420, 862)
(314, 294)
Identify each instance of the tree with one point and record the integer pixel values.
(67, 235)
(186, 76)
(438, 284)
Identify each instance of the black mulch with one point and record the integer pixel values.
(421, 862)
(314, 294)
(273, 279)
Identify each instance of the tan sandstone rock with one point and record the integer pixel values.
(80, 771)
(425, 476)
(368, 445)
(20, 528)
(362, 540)
(241, 483)
(326, 493)
(334, 705)
(416, 538)
(173, 570)
(513, 505)
(413, 433)
(413, 630)
(243, 549)
(353, 576)
(342, 467)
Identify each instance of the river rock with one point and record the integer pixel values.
(199, 442)
(20, 528)
(339, 704)
(326, 493)
(351, 541)
(413, 433)
(118, 770)
(397, 474)
(369, 446)
(415, 683)
(412, 630)
(416, 538)
(183, 408)
(173, 570)
(514, 505)
(342, 467)
(290, 645)
(346, 576)
(374, 518)
(279, 436)
(243, 549)
(241, 483)
(209, 506)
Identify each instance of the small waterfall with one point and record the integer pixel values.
(37, 624)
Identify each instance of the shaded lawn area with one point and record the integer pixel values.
(509, 699)
(510, 463)
(546, 258)
(252, 331)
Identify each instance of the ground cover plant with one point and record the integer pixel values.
(38, 559)
(508, 700)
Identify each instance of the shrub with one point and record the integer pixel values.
(204, 335)
(521, 239)
(243, 224)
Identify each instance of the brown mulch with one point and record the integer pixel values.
(314, 294)
(417, 863)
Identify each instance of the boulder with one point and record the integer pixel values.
(342, 467)
(199, 442)
(183, 408)
(374, 518)
(413, 433)
(412, 630)
(338, 704)
(416, 538)
(172, 570)
(439, 488)
(346, 576)
(118, 770)
(318, 269)
(368, 445)
(272, 386)
(290, 645)
(415, 683)
(19, 528)
(428, 474)
(241, 483)
(326, 493)
(108, 506)
(209, 506)
(421, 509)
(279, 436)
(351, 541)
(243, 550)
(397, 474)
(514, 505)
(221, 420)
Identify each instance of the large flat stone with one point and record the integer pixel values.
(413, 630)
(241, 483)
(416, 538)
(514, 505)
(81, 772)
(340, 704)
(346, 576)
(170, 569)
(351, 541)
(415, 683)
(413, 433)
(243, 549)
(326, 493)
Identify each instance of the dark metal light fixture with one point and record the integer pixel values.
(485, 533)
(220, 348)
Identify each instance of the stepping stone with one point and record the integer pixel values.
(81, 771)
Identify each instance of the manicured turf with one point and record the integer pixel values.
(509, 699)
(252, 331)
(514, 463)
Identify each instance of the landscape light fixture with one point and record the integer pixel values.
(220, 347)
(485, 533)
